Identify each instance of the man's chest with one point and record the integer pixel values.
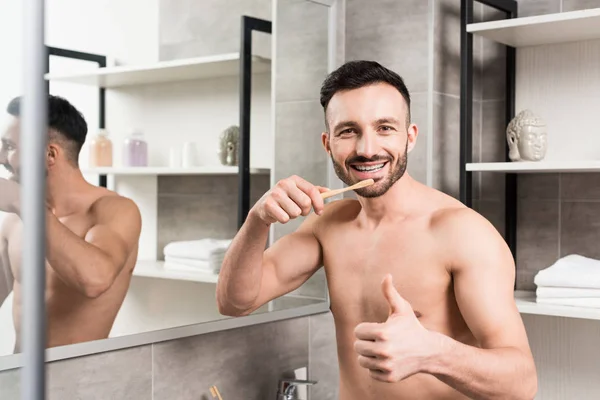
(356, 267)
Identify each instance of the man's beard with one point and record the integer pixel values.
(381, 185)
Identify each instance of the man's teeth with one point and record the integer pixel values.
(369, 167)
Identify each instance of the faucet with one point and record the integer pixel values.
(287, 388)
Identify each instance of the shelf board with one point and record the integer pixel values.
(206, 170)
(527, 305)
(543, 29)
(536, 166)
(156, 269)
(162, 72)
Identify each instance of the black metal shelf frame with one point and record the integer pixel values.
(248, 25)
(79, 55)
(509, 8)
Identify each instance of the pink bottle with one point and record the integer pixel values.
(135, 150)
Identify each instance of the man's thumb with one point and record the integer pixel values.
(398, 306)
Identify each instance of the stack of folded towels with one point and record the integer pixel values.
(573, 280)
(204, 255)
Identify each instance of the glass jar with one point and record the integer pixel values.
(135, 150)
(101, 150)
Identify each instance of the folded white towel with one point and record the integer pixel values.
(572, 271)
(189, 262)
(197, 249)
(591, 302)
(560, 292)
(174, 266)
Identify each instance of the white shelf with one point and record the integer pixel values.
(156, 269)
(543, 29)
(164, 71)
(527, 305)
(208, 170)
(536, 166)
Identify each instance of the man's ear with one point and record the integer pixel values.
(52, 153)
(412, 133)
(325, 140)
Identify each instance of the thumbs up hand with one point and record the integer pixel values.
(397, 348)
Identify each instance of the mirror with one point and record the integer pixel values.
(142, 172)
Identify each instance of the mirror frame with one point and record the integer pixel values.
(15, 361)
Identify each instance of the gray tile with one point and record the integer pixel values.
(493, 211)
(538, 186)
(528, 8)
(492, 186)
(243, 363)
(196, 207)
(10, 384)
(493, 70)
(323, 358)
(574, 5)
(446, 125)
(302, 50)
(476, 143)
(120, 375)
(361, 15)
(493, 132)
(537, 234)
(580, 224)
(299, 125)
(123, 375)
(580, 186)
(525, 280)
(315, 286)
(400, 45)
(493, 144)
(287, 302)
(447, 48)
(417, 158)
(189, 30)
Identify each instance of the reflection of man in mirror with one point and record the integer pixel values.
(421, 286)
(92, 233)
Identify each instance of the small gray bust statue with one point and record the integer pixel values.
(526, 135)
(228, 145)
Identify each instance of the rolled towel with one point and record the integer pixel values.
(591, 302)
(572, 271)
(197, 249)
(560, 292)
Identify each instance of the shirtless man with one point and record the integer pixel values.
(92, 234)
(421, 286)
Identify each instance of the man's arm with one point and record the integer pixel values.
(92, 264)
(252, 276)
(6, 275)
(483, 272)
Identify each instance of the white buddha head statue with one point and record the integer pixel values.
(526, 136)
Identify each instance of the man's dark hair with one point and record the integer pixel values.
(67, 125)
(356, 74)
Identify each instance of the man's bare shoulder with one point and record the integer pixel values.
(111, 205)
(463, 234)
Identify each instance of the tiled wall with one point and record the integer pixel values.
(243, 364)
(195, 207)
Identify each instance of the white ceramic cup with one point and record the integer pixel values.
(189, 155)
